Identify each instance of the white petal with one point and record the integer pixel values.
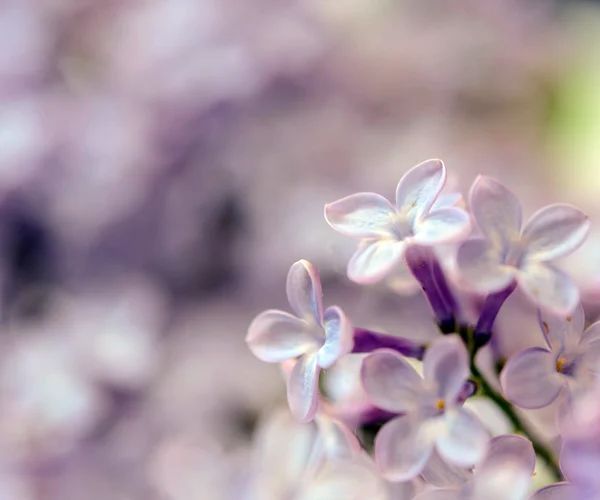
(363, 215)
(465, 440)
(530, 379)
(481, 267)
(446, 363)
(402, 448)
(442, 226)
(506, 480)
(302, 388)
(510, 446)
(496, 211)
(304, 292)
(339, 337)
(549, 288)
(419, 187)
(555, 231)
(390, 382)
(338, 440)
(440, 473)
(562, 331)
(275, 336)
(374, 259)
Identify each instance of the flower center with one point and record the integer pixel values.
(440, 405)
(565, 365)
(402, 227)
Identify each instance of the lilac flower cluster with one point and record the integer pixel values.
(429, 438)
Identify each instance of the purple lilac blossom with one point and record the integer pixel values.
(536, 376)
(509, 252)
(386, 230)
(314, 338)
(431, 417)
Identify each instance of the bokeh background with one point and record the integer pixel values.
(162, 164)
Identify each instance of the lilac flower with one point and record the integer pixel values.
(560, 491)
(385, 231)
(432, 416)
(536, 376)
(315, 337)
(505, 473)
(507, 253)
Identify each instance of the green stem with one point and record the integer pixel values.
(540, 448)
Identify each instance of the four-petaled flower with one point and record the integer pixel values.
(536, 376)
(504, 474)
(507, 253)
(385, 230)
(431, 410)
(315, 337)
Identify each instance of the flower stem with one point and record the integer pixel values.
(541, 449)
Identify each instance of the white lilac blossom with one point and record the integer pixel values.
(386, 230)
(509, 253)
(314, 337)
(431, 417)
(536, 376)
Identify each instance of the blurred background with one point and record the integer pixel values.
(164, 162)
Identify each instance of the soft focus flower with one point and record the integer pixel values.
(432, 416)
(386, 230)
(536, 376)
(507, 253)
(317, 338)
(505, 473)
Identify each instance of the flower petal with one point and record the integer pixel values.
(555, 231)
(374, 259)
(442, 226)
(465, 440)
(363, 215)
(505, 480)
(507, 446)
(419, 187)
(446, 363)
(274, 336)
(440, 473)
(497, 212)
(530, 379)
(481, 268)
(562, 331)
(445, 200)
(442, 494)
(339, 337)
(302, 388)
(558, 491)
(304, 292)
(402, 448)
(390, 382)
(549, 287)
(339, 442)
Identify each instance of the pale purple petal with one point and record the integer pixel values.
(345, 480)
(591, 337)
(465, 439)
(275, 336)
(446, 363)
(402, 448)
(501, 448)
(558, 491)
(440, 473)
(302, 388)
(442, 226)
(549, 287)
(497, 212)
(530, 379)
(445, 200)
(339, 334)
(390, 382)
(562, 330)
(443, 494)
(481, 267)
(505, 480)
(555, 231)
(304, 292)
(338, 440)
(419, 187)
(374, 259)
(363, 215)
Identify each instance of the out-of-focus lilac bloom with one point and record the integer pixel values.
(432, 414)
(508, 252)
(561, 491)
(504, 474)
(386, 230)
(315, 337)
(536, 376)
